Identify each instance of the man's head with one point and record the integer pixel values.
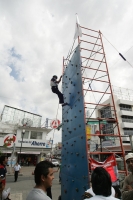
(43, 174)
(101, 182)
(3, 160)
(129, 161)
(55, 77)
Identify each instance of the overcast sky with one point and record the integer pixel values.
(36, 34)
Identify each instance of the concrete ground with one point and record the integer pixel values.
(21, 188)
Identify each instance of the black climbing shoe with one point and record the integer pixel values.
(64, 104)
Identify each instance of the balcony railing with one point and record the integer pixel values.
(127, 109)
(127, 120)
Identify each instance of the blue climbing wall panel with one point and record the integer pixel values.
(74, 169)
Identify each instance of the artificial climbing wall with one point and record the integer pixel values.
(74, 168)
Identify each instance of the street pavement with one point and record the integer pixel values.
(25, 182)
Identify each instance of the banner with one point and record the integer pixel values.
(109, 165)
(88, 132)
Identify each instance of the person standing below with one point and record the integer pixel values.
(43, 176)
(127, 191)
(29, 160)
(101, 185)
(54, 87)
(16, 171)
(3, 170)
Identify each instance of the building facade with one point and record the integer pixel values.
(31, 144)
(124, 110)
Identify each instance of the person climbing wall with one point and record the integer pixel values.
(54, 87)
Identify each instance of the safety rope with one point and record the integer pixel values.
(119, 52)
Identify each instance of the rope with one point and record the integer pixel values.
(119, 52)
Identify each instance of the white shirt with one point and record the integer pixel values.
(37, 194)
(100, 197)
(53, 82)
(90, 191)
(17, 167)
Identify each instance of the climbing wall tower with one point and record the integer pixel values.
(74, 168)
(86, 88)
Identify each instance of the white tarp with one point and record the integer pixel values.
(78, 31)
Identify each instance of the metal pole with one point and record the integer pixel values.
(12, 156)
(131, 142)
(23, 132)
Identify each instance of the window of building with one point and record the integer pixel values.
(36, 135)
(128, 131)
(125, 107)
(106, 112)
(127, 119)
(26, 135)
(107, 128)
(2, 135)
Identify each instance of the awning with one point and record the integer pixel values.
(6, 152)
(29, 152)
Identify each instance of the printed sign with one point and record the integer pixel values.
(9, 140)
(55, 123)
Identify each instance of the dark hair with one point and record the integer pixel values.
(101, 182)
(42, 168)
(55, 76)
(2, 158)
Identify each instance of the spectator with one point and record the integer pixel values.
(4, 194)
(101, 184)
(3, 170)
(89, 193)
(43, 176)
(29, 160)
(16, 171)
(117, 191)
(127, 191)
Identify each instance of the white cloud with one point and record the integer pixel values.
(42, 33)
